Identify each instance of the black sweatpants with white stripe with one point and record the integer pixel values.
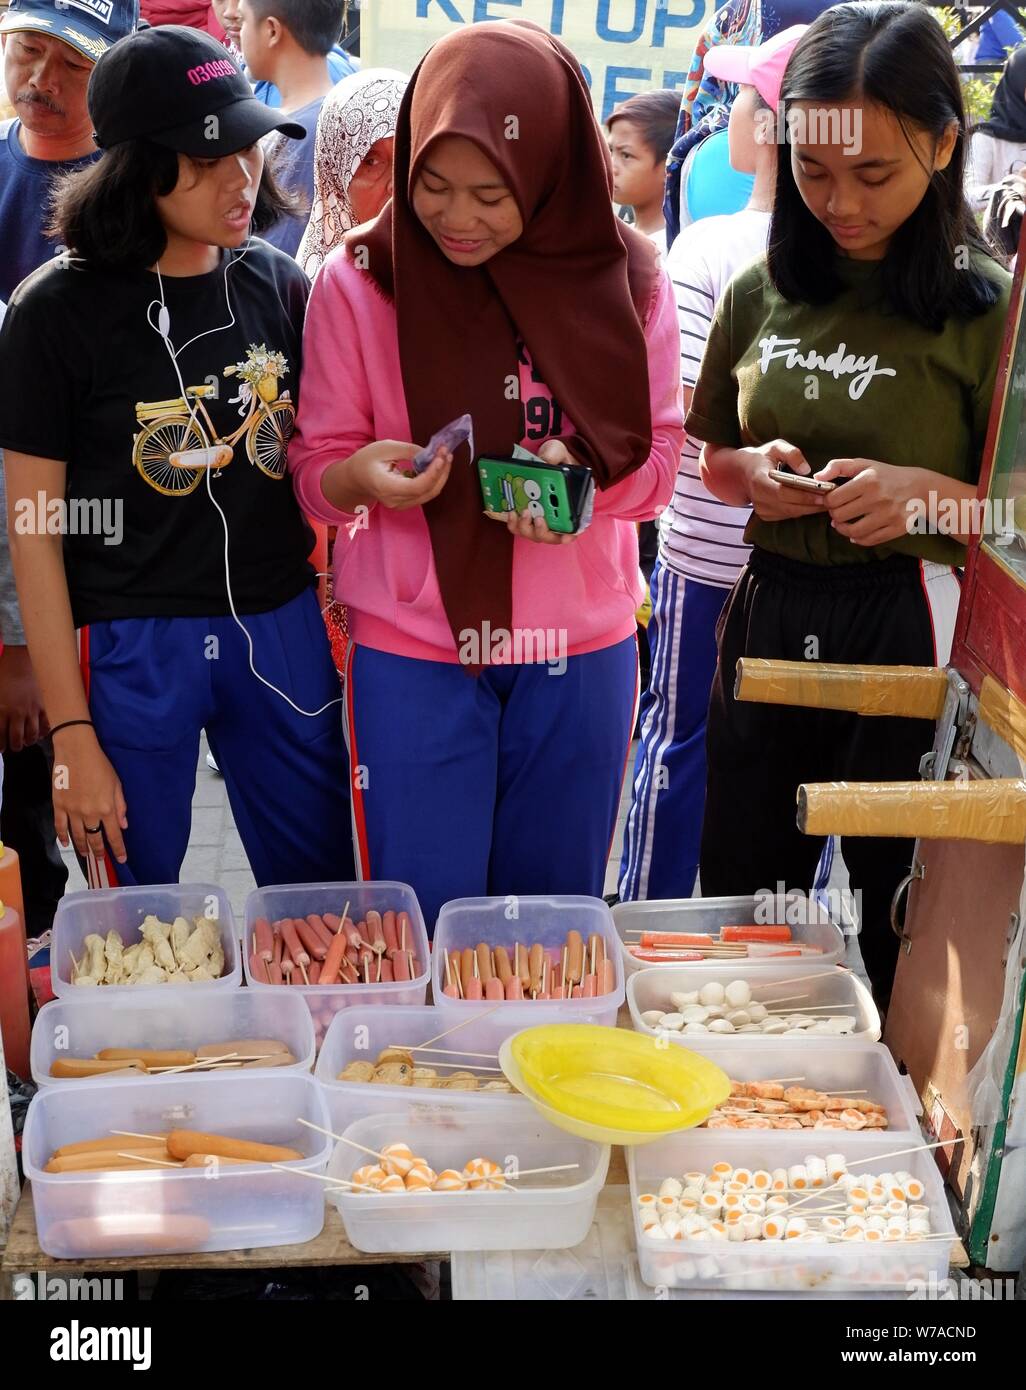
(898, 610)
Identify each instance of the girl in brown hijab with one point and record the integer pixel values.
(492, 671)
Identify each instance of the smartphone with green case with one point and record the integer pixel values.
(562, 493)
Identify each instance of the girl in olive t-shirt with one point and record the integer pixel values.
(863, 347)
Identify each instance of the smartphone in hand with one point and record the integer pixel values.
(801, 482)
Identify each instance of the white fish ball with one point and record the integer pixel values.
(721, 1025)
(738, 993)
(694, 1013)
(673, 1023)
(712, 993)
(756, 1011)
(739, 1017)
(680, 999)
(652, 1017)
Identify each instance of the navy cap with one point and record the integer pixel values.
(182, 89)
(89, 26)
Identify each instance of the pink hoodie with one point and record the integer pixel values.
(352, 394)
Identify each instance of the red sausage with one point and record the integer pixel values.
(607, 977)
(590, 986)
(315, 972)
(494, 989)
(292, 941)
(320, 926)
(387, 971)
(575, 993)
(514, 988)
(333, 960)
(258, 969)
(263, 939)
(400, 965)
(279, 947)
(389, 929)
(310, 939)
(377, 935)
(274, 975)
(353, 933)
(348, 972)
(474, 988)
(331, 921)
(451, 991)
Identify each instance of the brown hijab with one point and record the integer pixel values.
(576, 286)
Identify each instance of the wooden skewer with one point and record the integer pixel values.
(161, 1162)
(345, 914)
(527, 1172)
(322, 1177)
(895, 1153)
(130, 1134)
(449, 1051)
(74, 966)
(466, 1066)
(812, 1009)
(802, 979)
(456, 1026)
(342, 1140)
(306, 977)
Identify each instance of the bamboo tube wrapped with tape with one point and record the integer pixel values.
(914, 692)
(993, 812)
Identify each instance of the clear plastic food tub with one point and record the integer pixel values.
(651, 989)
(73, 1027)
(788, 1266)
(710, 914)
(123, 910)
(177, 1211)
(360, 1033)
(553, 1215)
(299, 900)
(840, 1066)
(466, 921)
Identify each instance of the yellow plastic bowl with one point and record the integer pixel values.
(611, 1085)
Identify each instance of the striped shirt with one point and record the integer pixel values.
(701, 537)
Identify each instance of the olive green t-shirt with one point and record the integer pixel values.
(848, 379)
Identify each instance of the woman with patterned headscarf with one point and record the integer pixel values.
(352, 160)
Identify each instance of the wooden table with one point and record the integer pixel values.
(331, 1248)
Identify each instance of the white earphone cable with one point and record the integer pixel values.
(163, 328)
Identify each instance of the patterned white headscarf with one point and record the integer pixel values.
(357, 112)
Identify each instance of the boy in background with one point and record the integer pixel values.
(287, 42)
(701, 545)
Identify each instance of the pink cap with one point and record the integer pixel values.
(761, 67)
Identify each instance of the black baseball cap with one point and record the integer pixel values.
(89, 26)
(179, 88)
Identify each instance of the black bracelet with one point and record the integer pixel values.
(70, 724)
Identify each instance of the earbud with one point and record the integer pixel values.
(164, 322)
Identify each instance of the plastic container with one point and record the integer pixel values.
(123, 910)
(177, 1211)
(779, 1265)
(841, 1066)
(73, 1027)
(650, 989)
(300, 899)
(360, 1033)
(710, 914)
(466, 921)
(549, 1211)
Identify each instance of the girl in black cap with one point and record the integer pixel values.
(150, 383)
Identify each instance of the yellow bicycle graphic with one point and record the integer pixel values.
(179, 442)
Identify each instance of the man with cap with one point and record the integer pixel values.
(50, 48)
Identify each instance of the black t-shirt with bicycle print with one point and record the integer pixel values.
(88, 379)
